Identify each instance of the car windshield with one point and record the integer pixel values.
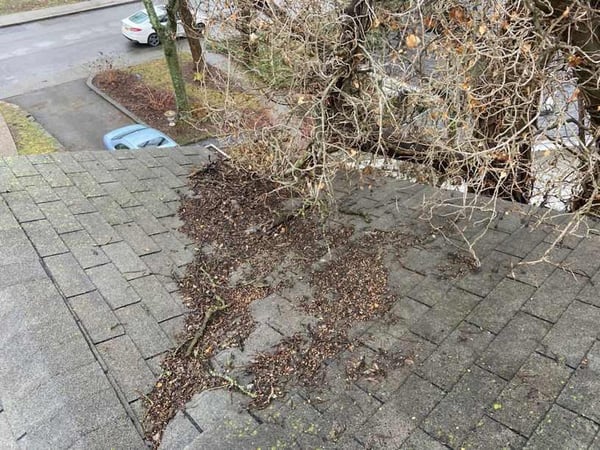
(139, 17)
(156, 142)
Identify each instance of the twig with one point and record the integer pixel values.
(361, 214)
(209, 313)
(279, 221)
(234, 383)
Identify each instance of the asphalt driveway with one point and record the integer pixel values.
(73, 114)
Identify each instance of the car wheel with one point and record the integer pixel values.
(200, 28)
(153, 40)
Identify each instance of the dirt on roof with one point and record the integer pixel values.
(253, 239)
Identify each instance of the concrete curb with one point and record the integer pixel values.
(59, 11)
(7, 143)
(113, 102)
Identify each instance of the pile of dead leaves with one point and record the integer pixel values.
(245, 228)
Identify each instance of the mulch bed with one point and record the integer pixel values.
(135, 95)
(150, 103)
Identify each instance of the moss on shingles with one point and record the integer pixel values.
(30, 138)
(15, 6)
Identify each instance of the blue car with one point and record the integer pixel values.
(136, 136)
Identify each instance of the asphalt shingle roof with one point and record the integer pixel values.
(506, 355)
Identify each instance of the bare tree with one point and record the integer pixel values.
(167, 33)
(458, 90)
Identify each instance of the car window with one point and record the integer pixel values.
(162, 18)
(139, 17)
(121, 147)
(156, 142)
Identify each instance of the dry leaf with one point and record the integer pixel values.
(574, 96)
(457, 13)
(412, 41)
(575, 60)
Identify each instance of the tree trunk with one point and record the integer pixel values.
(167, 35)
(193, 34)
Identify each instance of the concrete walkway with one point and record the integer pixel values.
(89, 249)
(57, 108)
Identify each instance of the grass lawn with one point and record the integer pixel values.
(30, 138)
(15, 6)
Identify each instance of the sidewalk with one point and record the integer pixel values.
(58, 11)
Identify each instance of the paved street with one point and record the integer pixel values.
(43, 67)
(44, 64)
(50, 52)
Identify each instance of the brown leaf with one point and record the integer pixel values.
(459, 15)
(412, 41)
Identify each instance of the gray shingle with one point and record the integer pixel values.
(113, 287)
(68, 274)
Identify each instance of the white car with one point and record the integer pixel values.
(138, 28)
